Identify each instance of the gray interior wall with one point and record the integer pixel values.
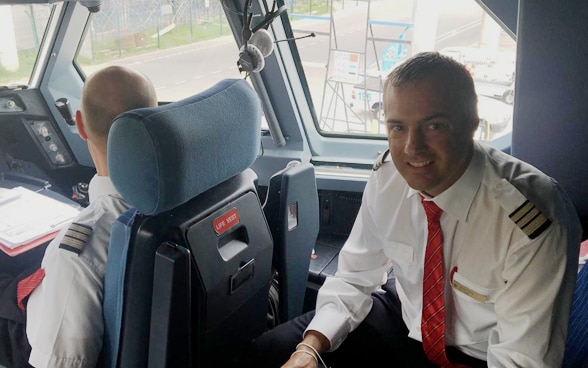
(551, 97)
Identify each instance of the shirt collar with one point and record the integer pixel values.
(101, 186)
(457, 199)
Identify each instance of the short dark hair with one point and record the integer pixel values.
(427, 65)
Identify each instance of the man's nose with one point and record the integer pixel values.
(415, 142)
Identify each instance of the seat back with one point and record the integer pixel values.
(292, 212)
(189, 267)
(576, 354)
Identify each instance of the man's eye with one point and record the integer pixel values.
(396, 128)
(437, 126)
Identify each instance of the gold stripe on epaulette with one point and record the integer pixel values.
(380, 160)
(84, 229)
(530, 220)
(75, 238)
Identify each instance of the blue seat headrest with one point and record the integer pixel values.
(161, 157)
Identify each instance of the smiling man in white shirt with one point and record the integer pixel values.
(510, 239)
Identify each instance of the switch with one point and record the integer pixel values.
(50, 142)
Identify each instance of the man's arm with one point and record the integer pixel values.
(533, 310)
(344, 301)
(69, 328)
(306, 352)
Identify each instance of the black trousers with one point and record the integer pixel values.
(381, 337)
(14, 345)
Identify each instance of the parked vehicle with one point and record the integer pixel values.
(493, 72)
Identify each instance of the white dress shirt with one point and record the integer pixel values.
(64, 314)
(508, 286)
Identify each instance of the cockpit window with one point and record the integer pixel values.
(358, 43)
(21, 33)
(183, 46)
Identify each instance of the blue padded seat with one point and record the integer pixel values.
(189, 266)
(161, 157)
(576, 354)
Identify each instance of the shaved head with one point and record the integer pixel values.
(110, 92)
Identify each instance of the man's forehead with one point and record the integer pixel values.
(421, 100)
(425, 89)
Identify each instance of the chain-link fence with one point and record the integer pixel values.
(123, 26)
(127, 27)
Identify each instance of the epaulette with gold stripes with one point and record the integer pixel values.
(529, 219)
(380, 160)
(75, 238)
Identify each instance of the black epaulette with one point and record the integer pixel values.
(380, 160)
(75, 238)
(529, 219)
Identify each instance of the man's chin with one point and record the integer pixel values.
(418, 183)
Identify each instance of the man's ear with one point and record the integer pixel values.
(475, 124)
(80, 125)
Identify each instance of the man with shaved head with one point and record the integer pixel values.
(64, 324)
(106, 94)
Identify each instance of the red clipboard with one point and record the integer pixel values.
(28, 246)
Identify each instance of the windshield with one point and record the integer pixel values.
(22, 28)
(362, 41)
(185, 46)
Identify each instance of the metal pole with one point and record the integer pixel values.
(191, 28)
(158, 21)
(34, 25)
(119, 34)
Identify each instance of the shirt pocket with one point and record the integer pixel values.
(470, 291)
(402, 256)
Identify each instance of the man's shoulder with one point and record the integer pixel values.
(381, 160)
(97, 218)
(533, 200)
(527, 179)
(104, 209)
(512, 168)
(530, 215)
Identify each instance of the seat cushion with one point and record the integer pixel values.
(161, 157)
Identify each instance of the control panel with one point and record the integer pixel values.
(10, 104)
(49, 141)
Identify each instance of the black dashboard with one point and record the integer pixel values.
(31, 145)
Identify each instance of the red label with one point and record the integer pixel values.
(226, 221)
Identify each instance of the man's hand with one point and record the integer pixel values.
(305, 356)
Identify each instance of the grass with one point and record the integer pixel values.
(138, 43)
(26, 61)
(310, 7)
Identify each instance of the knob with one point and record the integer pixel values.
(62, 105)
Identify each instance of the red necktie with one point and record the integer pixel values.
(433, 317)
(26, 286)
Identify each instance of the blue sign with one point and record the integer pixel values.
(392, 54)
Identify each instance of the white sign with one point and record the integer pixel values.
(345, 67)
(166, 9)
